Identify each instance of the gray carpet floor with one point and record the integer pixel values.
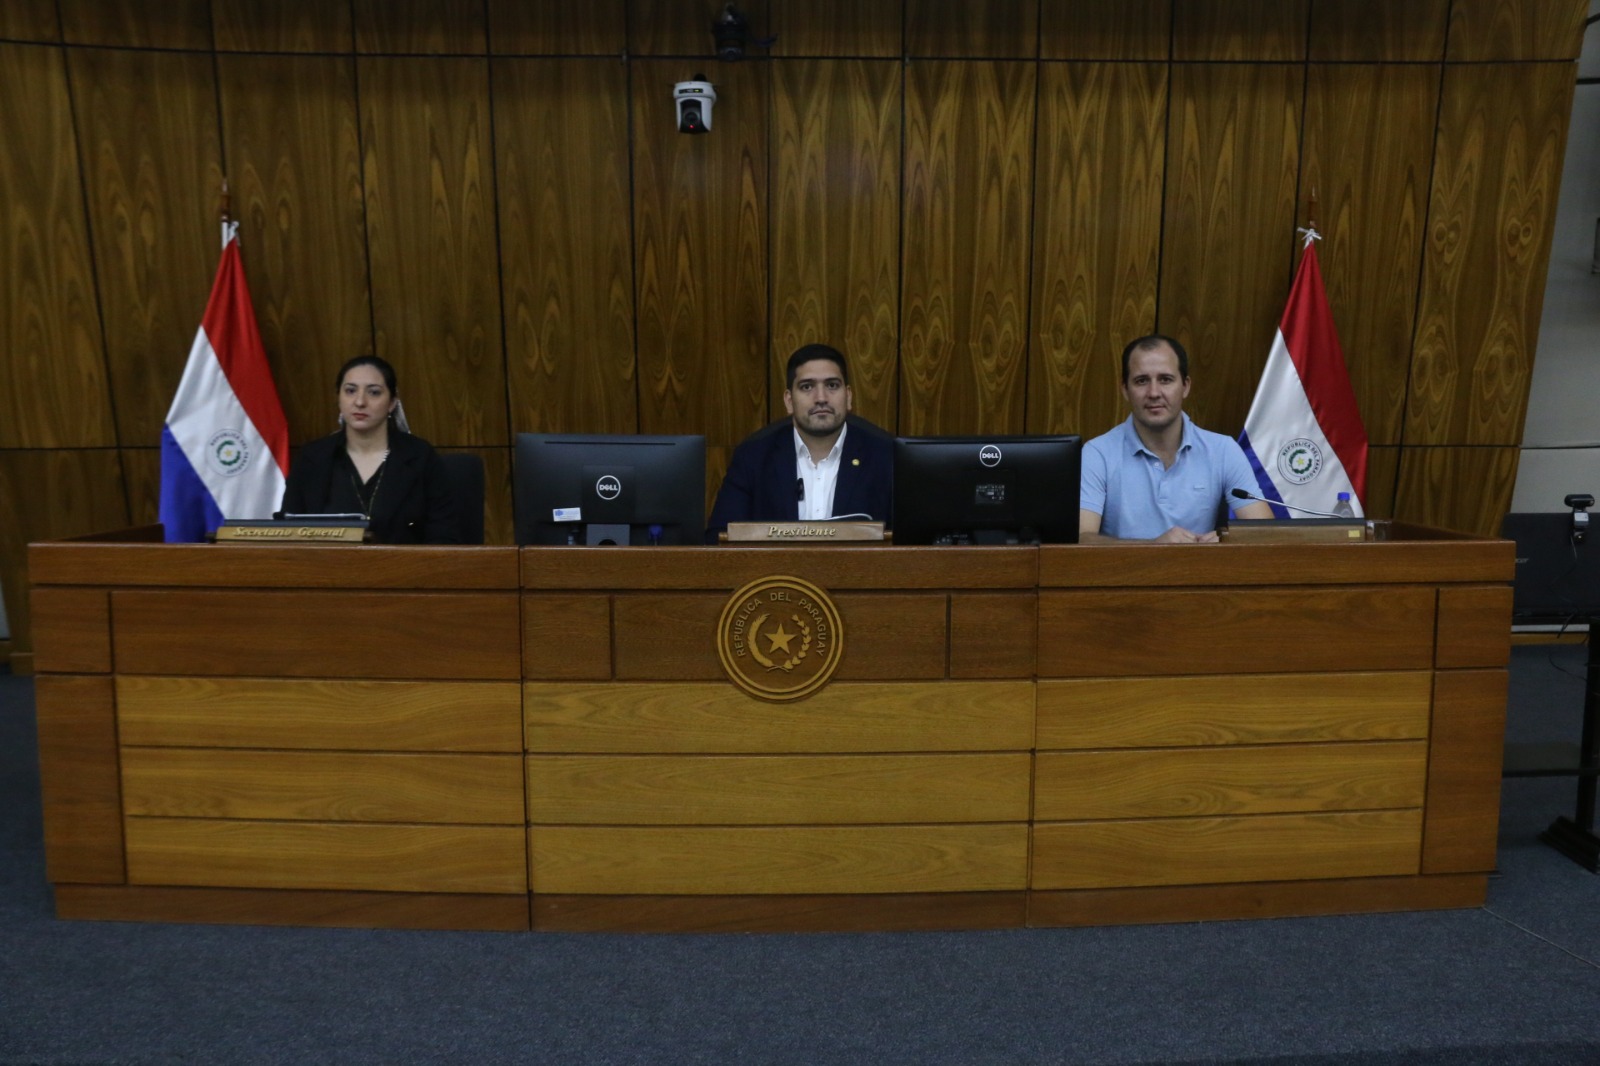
(1514, 982)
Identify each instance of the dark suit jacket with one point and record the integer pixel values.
(413, 503)
(760, 483)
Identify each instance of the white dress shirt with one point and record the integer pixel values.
(814, 481)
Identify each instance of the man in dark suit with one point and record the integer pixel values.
(822, 462)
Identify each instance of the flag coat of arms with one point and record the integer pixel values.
(1304, 437)
(225, 446)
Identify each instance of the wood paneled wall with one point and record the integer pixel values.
(978, 202)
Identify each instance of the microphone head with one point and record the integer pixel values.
(1240, 494)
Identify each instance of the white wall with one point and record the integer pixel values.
(1561, 440)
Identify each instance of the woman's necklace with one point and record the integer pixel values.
(367, 502)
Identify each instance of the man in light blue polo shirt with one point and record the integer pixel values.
(1158, 476)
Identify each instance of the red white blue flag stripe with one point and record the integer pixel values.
(225, 446)
(1304, 436)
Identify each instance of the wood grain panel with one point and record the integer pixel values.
(949, 31)
(497, 510)
(1368, 135)
(244, 906)
(384, 858)
(566, 638)
(835, 568)
(141, 475)
(294, 157)
(1497, 168)
(1268, 847)
(835, 226)
(29, 20)
(886, 636)
(79, 785)
(1373, 30)
(281, 26)
(519, 28)
(317, 634)
(777, 789)
(1464, 764)
(322, 786)
(893, 636)
(778, 859)
(44, 495)
(968, 190)
(71, 631)
(843, 717)
(460, 716)
(1241, 709)
(1229, 781)
(1411, 554)
(1474, 627)
(134, 560)
(52, 382)
(1483, 30)
(1105, 29)
(1089, 634)
(179, 24)
(429, 187)
(1464, 489)
(427, 27)
(700, 254)
(682, 27)
(153, 174)
(1238, 30)
(888, 911)
(1097, 237)
(1275, 899)
(993, 634)
(1383, 474)
(836, 27)
(666, 637)
(561, 136)
(1228, 225)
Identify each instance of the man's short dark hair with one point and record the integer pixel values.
(1150, 344)
(816, 351)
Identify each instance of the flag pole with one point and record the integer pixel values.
(225, 209)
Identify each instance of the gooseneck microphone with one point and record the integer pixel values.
(1240, 494)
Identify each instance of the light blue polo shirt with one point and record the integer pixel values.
(1137, 499)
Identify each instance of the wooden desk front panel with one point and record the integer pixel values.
(1145, 632)
(655, 774)
(312, 633)
(699, 789)
(1231, 735)
(346, 784)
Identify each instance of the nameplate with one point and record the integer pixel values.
(804, 532)
(272, 532)
(1296, 531)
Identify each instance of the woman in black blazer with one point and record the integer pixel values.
(373, 467)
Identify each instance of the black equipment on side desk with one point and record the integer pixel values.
(1558, 582)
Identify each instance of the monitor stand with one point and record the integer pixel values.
(1574, 837)
(605, 533)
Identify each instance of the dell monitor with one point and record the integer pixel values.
(599, 490)
(986, 490)
(1558, 568)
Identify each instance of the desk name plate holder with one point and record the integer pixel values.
(798, 532)
(295, 529)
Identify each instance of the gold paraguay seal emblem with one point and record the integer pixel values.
(780, 638)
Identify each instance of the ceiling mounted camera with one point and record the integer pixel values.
(694, 100)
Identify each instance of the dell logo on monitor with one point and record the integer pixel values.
(989, 455)
(609, 487)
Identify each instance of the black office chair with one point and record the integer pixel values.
(466, 480)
